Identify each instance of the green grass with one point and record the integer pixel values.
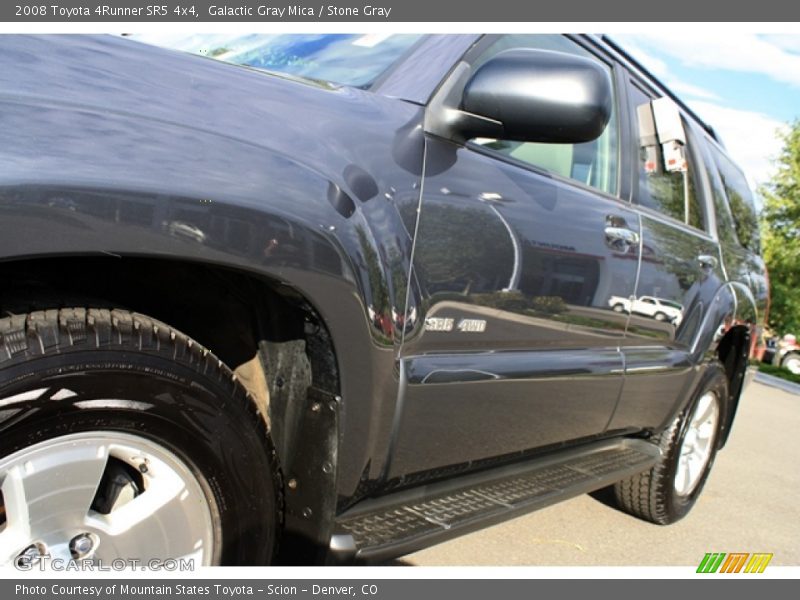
(779, 372)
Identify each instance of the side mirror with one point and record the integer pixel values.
(539, 96)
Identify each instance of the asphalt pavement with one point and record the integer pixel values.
(751, 503)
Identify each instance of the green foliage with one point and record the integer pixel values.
(781, 235)
(514, 301)
(469, 265)
(551, 305)
(779, 372)
(372, 263)
(219, 51)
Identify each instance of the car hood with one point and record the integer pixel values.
(128, 80)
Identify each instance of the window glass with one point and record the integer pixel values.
(673, 193)
(740, 200)
(348, 59)
(593, 163)
(725, 227)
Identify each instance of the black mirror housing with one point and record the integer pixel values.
(541, 96)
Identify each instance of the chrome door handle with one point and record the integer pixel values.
(707, 261)
(616, 236)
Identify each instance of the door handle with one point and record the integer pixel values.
(707, 261)
(621, 236)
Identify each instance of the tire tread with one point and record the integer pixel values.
(647, 495)
(58, 331)
(638, 495)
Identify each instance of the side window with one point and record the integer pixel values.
(740, 200)
(665, 184)
(592, 163)
(726, 230)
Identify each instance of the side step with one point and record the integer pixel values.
(379, 529)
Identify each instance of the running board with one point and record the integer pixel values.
(379, 529)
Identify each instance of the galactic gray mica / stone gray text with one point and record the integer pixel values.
(330, 10)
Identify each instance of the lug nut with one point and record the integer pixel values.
(30, 555)
(81, 545)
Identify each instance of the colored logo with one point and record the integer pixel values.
(734, 562)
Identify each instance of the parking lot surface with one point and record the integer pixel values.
(751, 503)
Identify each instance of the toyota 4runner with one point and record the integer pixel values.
(333, 298)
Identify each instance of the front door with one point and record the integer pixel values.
(520, 249)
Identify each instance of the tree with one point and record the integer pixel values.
(781, 234)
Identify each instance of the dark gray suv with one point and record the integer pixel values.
(333, 298)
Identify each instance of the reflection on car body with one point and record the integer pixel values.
(659, 309)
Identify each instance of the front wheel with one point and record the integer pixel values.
(667, 492)
(106, 495)
(121, 438)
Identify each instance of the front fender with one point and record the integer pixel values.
(229, 205)
(118, 148)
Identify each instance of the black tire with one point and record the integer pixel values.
(792, 362)
(619, 308)
(181, 397)
(659, 316)
(652, 495)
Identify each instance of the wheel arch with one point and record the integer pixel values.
(242, 316)
(727, 337)
(178, 292)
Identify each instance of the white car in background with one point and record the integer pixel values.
(659, 309)
(783, 352)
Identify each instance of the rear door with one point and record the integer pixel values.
(519, 249)
(680, 264)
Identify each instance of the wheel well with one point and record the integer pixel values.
(232, 313)
(732, 352)
(266, 331)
